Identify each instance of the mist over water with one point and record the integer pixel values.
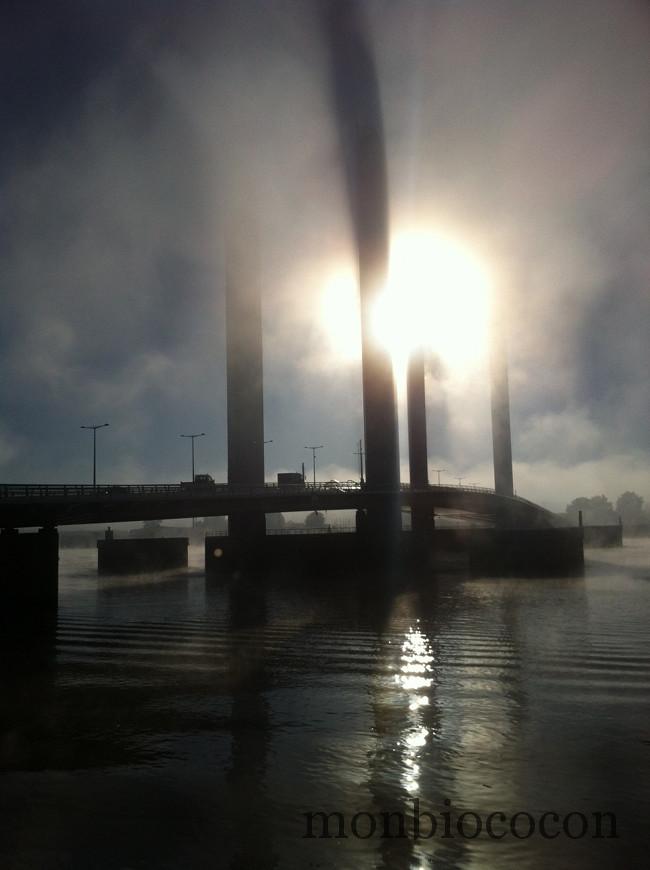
(174, 721)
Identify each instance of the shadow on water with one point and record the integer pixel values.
(27, 672)
(60, 712)
(249, 802)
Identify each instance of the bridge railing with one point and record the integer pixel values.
(32, 491)
(451, 487)
(76, 491)
(321, 530)
(73, 490)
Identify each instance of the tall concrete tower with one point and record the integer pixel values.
(244, 374)
(421, 518)
(357, 112)
(501, 439)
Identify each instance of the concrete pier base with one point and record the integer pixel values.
(248, 527)
(602, 536)
(29, 573)
(484, 552)
(523, 552)
(311, 554)
(423, 522)
(137, 555)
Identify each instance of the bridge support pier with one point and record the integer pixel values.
(244, 376)
(500, 402)
(422, 522)
(361, 135)
(421, 516)
(29, 574)
(247, 527)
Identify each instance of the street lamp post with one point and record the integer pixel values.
(313, 455)
(438, 472)
(196, 435)
(360, 454)
(95, 428)
(460, 480)
(264, 443)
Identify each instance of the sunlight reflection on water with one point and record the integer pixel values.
(416, 663)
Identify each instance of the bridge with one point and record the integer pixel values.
(36, 505)
(245, 498)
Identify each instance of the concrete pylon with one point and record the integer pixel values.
(421, 518)
(357, 111)
(379, 413)
(500, 395)
(244, 374)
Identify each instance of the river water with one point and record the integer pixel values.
(174, 722)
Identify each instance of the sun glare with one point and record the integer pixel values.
(341, 318)
(437, 297)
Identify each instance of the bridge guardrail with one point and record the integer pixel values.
(69, 490)
(75, 491)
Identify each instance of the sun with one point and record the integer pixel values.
(437, 296)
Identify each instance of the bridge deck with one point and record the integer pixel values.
(30, 505)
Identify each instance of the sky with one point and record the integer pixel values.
(132, 130)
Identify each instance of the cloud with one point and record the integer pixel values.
(569, 436)
(9, 446)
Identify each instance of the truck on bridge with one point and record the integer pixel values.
(290, 478)
(201, 481)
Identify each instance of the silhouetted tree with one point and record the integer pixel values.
(574, 507)
(314, 520)
(596, 511)
(629, 506)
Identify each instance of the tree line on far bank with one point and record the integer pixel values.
(599, 510)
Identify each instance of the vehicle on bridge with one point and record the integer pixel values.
(201, 481)
(335, 486)
(290, 478)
